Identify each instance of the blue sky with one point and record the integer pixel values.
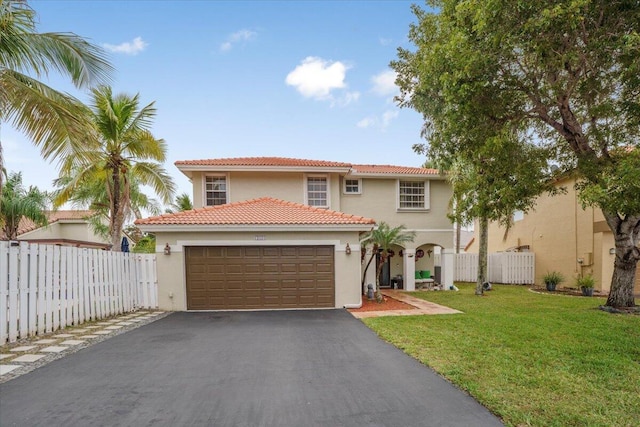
(297, 79)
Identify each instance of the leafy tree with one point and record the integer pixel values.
(146, 245)
(564, 73)
(128, 155)
(53, 120)
(182, 203)
(17, 202)
(383, 237)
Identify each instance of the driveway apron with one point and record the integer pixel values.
(261, 368)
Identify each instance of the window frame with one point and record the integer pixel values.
(426, 194)
(204, 188)
(328, 190)
(344, 186)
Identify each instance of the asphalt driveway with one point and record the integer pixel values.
(284, 368)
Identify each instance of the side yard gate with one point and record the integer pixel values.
(502, 267)
(44, 288)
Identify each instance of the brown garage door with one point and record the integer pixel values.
(245, 277)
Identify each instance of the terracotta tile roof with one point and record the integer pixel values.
(27, 225)
(392, 170)
(262, 161)
(262, 211)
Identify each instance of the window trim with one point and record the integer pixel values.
(427, 195)
(204, 187)
(344, 186)
(305, 185)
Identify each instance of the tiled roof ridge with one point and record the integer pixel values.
(276, 202)
(233, 161)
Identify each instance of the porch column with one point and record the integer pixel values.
(447, 268)
(370, 277)
(409, 269)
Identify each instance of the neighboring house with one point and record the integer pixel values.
(280, 232)
(65, 228)
(564, 237)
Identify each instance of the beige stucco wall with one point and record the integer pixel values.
(559, 231)
(290, 186)
(64, 230)
(379, 201)
(171, 268)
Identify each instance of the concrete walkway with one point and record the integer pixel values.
(422, 307)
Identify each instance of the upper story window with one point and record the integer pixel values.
(413, 194)
(215, 190)
(318, 191)
(352, 186)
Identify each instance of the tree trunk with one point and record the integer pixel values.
(626, 233)
(482, 255)
(383, 259)
(458, 231)
(364, 273)
(115, 222)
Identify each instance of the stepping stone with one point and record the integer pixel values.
(110, 322)
(102, 332)
(136, 320)
(79, 331)
(54, 349)
(64, 336)
(125, 323)
(103, 323)
(113, 328)
(92, 327)
(4, 356)
(72, 342)
(24, 348)
(89, 336)
(28, 358)
(45, 341)
(5, 369)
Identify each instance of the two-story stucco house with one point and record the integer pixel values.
(271, 232)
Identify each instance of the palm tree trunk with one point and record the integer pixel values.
(115, 222)
(383, 259)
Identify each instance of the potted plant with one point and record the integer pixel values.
(552, 279)
(586, 284)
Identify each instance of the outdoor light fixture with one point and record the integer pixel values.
(167, 249)
(612, 251)
(347, 250)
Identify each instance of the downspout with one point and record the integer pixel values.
(358, 305)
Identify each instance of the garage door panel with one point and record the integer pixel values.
(259, 277)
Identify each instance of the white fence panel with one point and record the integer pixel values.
(44, 288)
(502, 267)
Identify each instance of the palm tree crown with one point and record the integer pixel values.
(53, 120)
(128, 155)
(18, 202)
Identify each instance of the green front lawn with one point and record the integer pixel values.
(532, 359)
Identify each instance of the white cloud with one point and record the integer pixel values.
(382, 122)
(384, 41)
(384, 83)
(345, 100)
(133, 47)
(316, 78)
(366, 122)
(237, 37)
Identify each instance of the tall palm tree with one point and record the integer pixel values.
(383, 237)
(126, 153)
(18, 202)
(53, 120)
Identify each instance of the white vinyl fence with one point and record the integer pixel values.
(44, 288)
(503, 267)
